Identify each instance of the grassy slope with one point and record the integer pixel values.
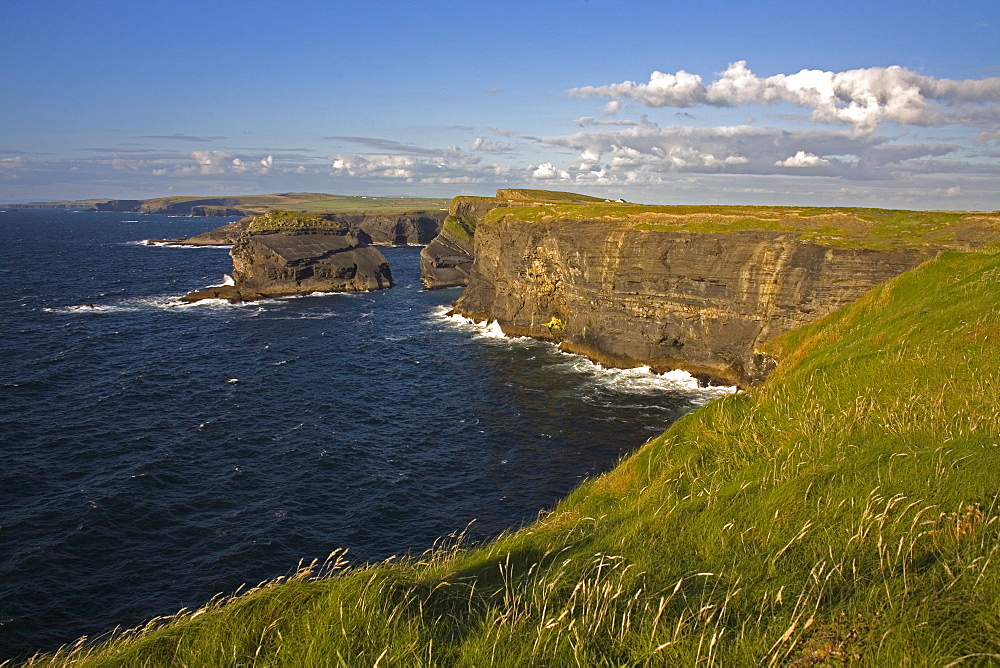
(845, 227)
(845, 510)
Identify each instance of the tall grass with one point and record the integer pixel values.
(847, 511)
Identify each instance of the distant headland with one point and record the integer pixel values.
(247, 205)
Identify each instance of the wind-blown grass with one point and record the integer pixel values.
(845, 511)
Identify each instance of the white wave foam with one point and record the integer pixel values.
(175, 302)
(486, 330)
(170, 244)
(642, 380)
(226, 280)
(637, 380)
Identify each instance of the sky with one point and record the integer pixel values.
(889, 104)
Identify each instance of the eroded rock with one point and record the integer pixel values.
(701, 302)
(303, 255)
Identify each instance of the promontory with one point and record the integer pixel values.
(699, 288)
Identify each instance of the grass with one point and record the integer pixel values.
(545, 195)
(305, 202)
(321, 203)
(462, 228)
(847, 511)
(290, 220)
(841, 227)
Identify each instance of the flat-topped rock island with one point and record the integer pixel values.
(287, 253)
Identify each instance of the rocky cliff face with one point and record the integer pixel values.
(445, 262)
(414, 228)
(308, 260)
(281, 263)
(696, 301)
(417, 227)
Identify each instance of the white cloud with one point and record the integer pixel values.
(663, 90)
(862, 98)
(489, 146)
(584, 121)
(548, 172)
(612, 107)
(803, 159)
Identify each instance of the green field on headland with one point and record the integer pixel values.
(846, 511)
(229, 205)
(846, 227)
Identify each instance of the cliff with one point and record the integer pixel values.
(447, 260)
(281, 254)
(410, 228)
(844, 512)
(694, 290)
(414, 227)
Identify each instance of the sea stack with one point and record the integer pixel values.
(286, 253)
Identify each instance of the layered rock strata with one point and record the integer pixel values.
(281, 263)
(696, 301)
(413, 228)
(447, 260)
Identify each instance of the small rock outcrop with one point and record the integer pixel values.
(282, 253)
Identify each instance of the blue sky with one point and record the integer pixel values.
(893, 104)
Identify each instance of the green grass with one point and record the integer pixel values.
(843, 512)
(290, 220)
(841, 227)
(545, 195)
(325, 203)
(462, 228)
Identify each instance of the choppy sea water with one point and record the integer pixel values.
(154, 455)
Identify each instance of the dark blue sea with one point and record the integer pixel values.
(152, 456)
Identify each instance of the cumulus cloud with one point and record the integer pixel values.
(450, 165)
(648, 152)
(861, 98)
(548, 172)
(385, 166)
(803, 159)
(224, 162)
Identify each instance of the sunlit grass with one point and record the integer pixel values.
(842, 227)
(845, 511)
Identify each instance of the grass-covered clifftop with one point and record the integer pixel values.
(845, 511)
(465, 212)
(277, 219)
(850, 227)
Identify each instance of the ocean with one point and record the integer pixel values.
(152, 455)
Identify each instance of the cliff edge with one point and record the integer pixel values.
(693, 288)
(447, 260)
